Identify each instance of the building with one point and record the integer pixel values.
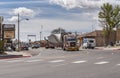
(99, 37)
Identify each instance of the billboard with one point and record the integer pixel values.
(9, 31)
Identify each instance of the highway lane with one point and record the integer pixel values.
(55, 63)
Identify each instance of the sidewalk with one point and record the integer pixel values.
(15, 54)
(109, 48)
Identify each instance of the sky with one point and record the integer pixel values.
(46, 15)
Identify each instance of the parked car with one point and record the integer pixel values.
(35, 46)
(24, 47)
(89, 43)
(117, 43)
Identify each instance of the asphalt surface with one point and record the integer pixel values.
(55, 63)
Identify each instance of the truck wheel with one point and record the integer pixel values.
(77, 49)
(46, 47)
(64, 49)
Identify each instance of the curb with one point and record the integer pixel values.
(99, 48)
(116, 49)
(12, 56)
(107, 48)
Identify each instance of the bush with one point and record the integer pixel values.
(1, 46)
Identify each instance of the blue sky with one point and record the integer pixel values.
(72, 15)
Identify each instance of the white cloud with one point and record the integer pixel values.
(14, 18)
(65, 3)
(88, 8)
(70, 4)
(93, 15)
(23, 12)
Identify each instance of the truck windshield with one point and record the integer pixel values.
(72, 39)
(91, 41)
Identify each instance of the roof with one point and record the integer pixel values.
(91, 34)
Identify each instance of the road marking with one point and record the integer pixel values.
(33, 61)
(57, 61)
(118, 64)
(83, 61)
(102, 62)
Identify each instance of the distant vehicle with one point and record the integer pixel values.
(35, 46)
(49, 45)
(117, 43)
(66, 41)
(89, 43)
(24, 47)
(54, 40)
(70, 42)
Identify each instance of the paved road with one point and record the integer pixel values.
(55, 63)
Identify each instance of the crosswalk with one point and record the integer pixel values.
(83, 61)
(102, 62)
(60, 61)
(56, 61)
(33, 61)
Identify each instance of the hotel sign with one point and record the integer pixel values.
(9, 31)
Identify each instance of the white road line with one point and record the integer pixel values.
(82, 61)
(56, 61)
(118, 64)
(33, 61)
(102, 62)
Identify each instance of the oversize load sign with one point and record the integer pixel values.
(9, 30)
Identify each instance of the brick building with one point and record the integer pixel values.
(118, 35)
(100, 38)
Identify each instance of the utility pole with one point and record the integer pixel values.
(92, 27)
(1, 35)
(41, 32)
(18, 32)
(40, 35)
(1, 32)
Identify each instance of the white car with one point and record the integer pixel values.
(89, 43)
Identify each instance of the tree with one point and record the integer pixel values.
(58, 30)
(109, 19)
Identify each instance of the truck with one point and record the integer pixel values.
(66, 41)
(54, 40)
(89, 43)
(70, 42)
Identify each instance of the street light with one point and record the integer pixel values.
(19, 31)
(40, 35)
(41, 32)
